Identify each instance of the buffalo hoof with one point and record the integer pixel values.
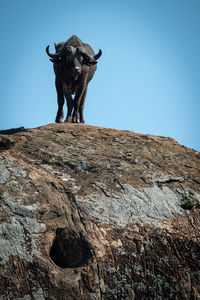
(58, 120)
(75, 120)
(68, 119)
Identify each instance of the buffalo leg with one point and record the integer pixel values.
(81, 107)
(77, 100)
(60, 98)
(70, 105)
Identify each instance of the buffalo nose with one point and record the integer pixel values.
(76, 70)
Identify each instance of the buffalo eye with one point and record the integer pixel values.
(80, 59)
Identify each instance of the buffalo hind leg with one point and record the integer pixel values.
(60, 99)
(70, 106)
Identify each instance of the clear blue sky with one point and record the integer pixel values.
(148, 78)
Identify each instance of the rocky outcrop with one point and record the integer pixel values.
(95, 213)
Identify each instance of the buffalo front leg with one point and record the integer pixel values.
(70, 106)
(60, 99)
(81, 107)
(78, 100)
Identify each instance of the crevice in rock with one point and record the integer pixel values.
(68, 164)
(104, 191)
(119, 183)
(70, 249)
(72, 197)
(169, 181)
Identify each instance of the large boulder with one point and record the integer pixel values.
(95, 213)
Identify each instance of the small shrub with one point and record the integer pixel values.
(188, 202)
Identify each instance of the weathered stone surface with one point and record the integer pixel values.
(95, 213)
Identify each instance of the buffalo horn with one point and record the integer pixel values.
(97, 55)
(55, 55)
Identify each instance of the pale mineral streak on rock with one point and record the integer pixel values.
(146, 205)
(9, 167)
(19, 237)
(15, 207)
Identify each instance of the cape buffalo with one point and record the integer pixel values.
(74, 66)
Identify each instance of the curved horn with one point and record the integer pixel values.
(97, 55)
(55, 55)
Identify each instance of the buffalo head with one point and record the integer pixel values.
(73, 58)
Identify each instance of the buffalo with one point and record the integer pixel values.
(74, 66)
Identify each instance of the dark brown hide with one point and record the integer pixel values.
(74, 66)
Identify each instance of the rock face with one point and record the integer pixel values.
(95, 213)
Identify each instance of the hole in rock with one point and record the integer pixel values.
(70, 249)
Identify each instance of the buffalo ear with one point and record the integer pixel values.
(91, 63)
(56, 60)
(88, 62)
